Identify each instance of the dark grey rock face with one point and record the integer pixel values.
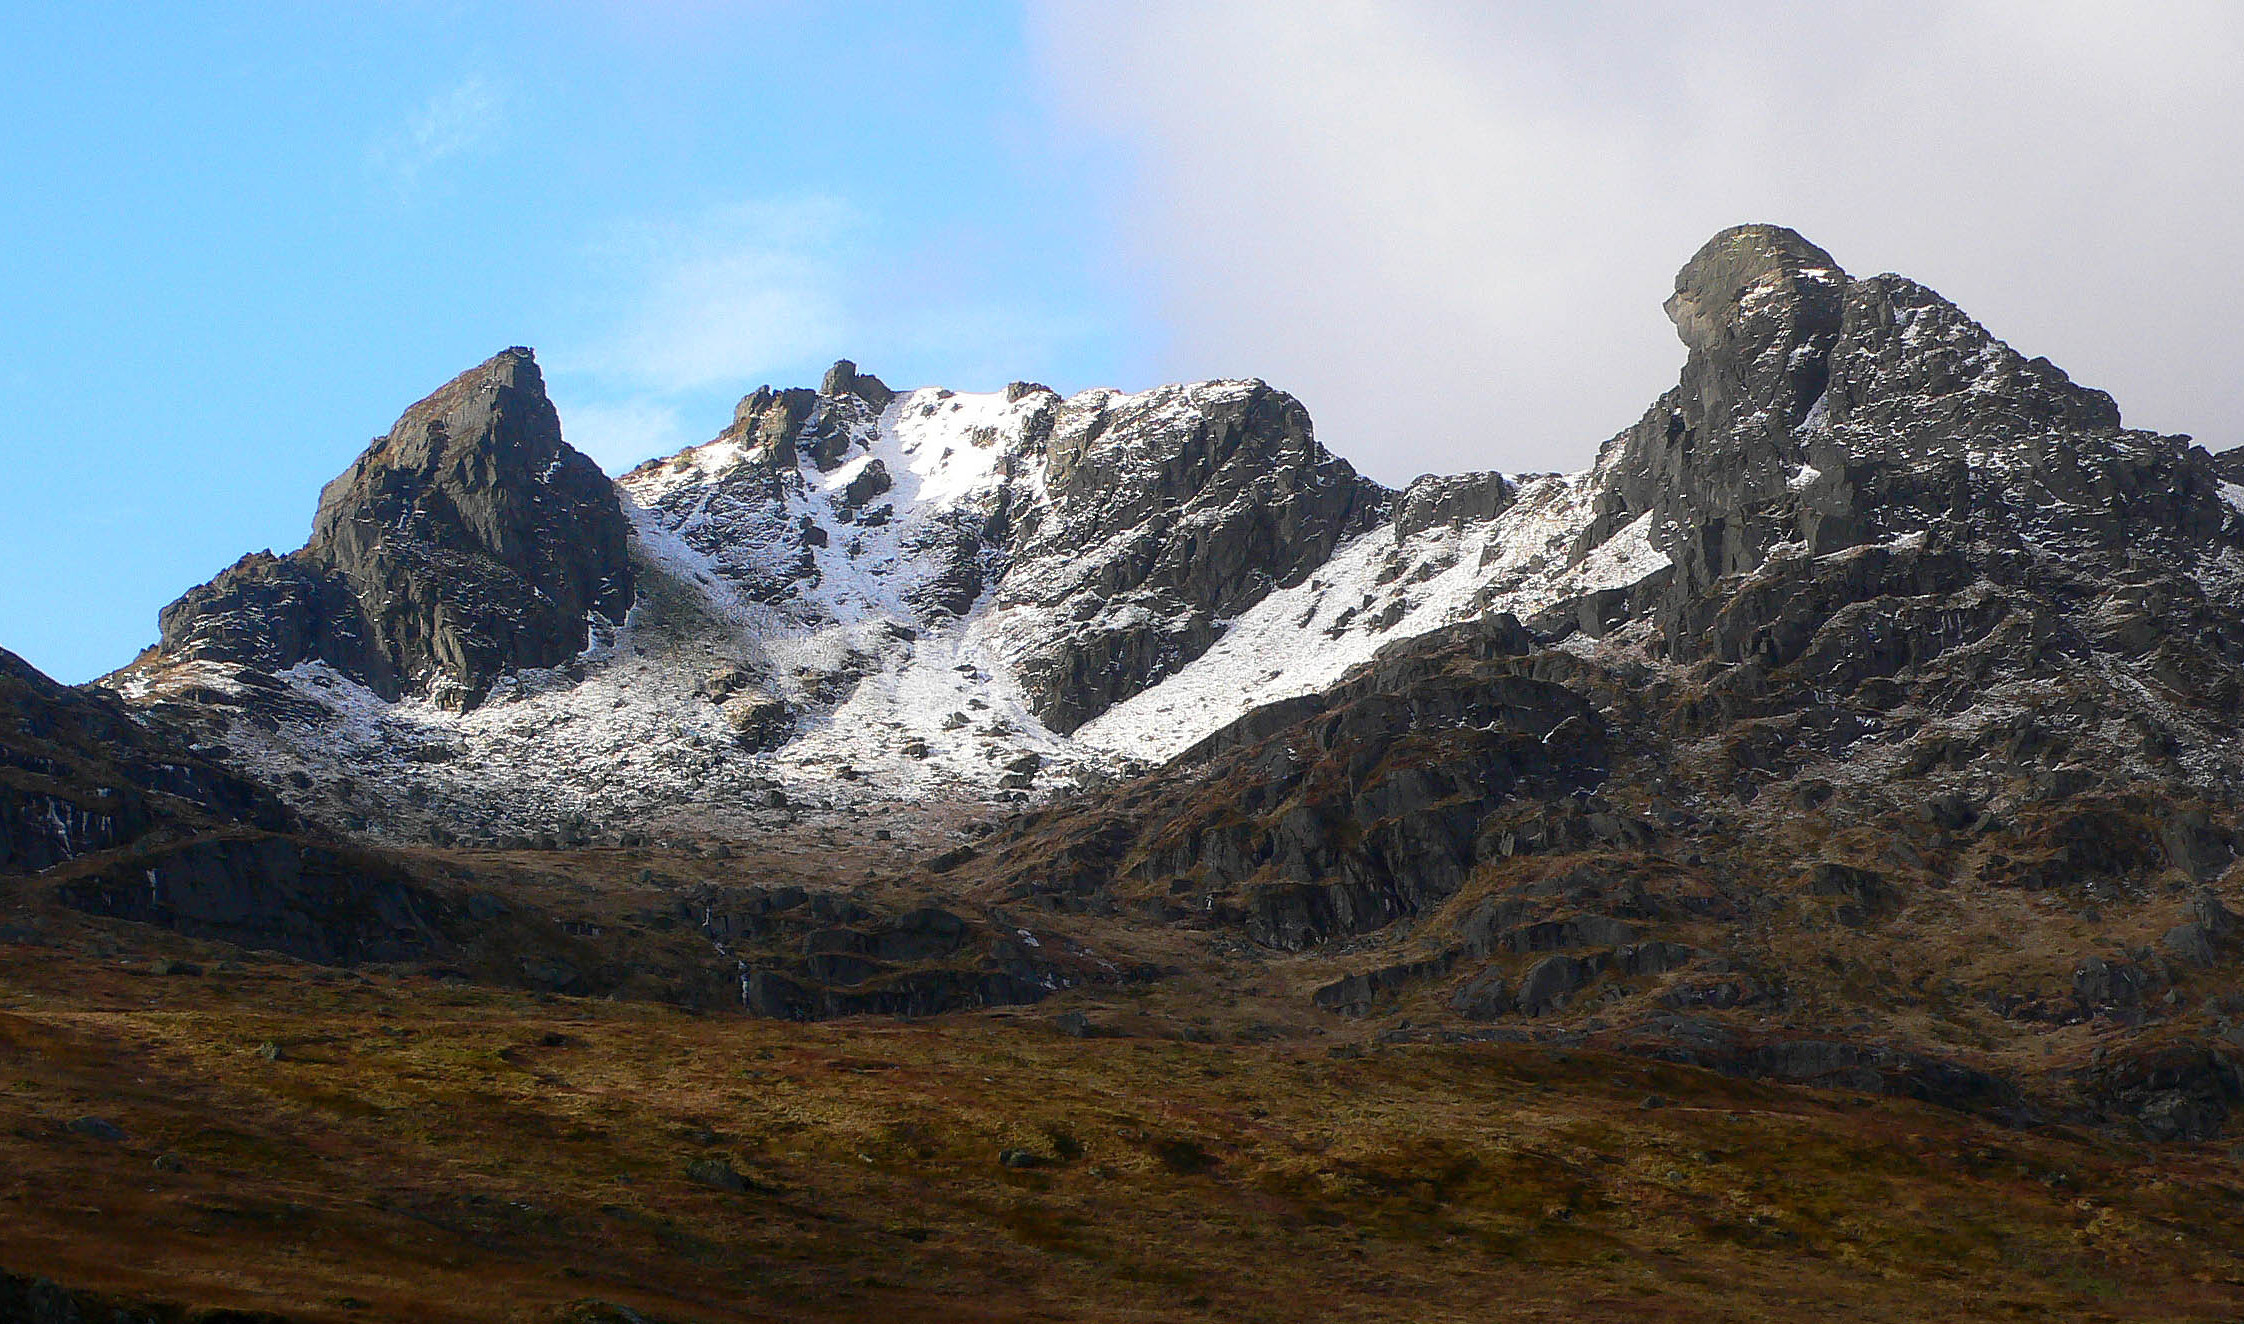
(1169, 514)
(1450, 499)
(79, 776)
(272, 612)
(844, 379)
(2174, 1090)
(310, 900)
(1822, 412)
(1358, 995)
(1759, 308)
(814, 956)
(1340, 814)
(769, 419)
(1551, 980)
(469, 542)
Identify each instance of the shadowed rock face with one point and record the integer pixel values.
(469, 542)
(1828, 411)
(79, 776)
(1169, 514)
(285, 894)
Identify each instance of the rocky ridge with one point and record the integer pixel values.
(854, 595)
(1875, 654)
(1935, 640)
(78, 775)
(469, 543)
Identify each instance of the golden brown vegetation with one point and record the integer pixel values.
(338, 1146)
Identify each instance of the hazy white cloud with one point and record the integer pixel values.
(1449, 227)
(452, 124)
(617, 434)
(688, 315)
(730, 294)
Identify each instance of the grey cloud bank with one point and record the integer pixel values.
(1448, 229)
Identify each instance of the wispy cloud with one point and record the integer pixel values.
(686, 314)
(450, 125)
(736, 292)
(618, 434)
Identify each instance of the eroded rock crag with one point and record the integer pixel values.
(468, 542)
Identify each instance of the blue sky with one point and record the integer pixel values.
(243, 238)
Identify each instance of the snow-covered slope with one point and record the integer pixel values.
(853, 596)
(1381, 587)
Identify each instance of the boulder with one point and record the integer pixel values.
(758, 720)
(1485, 997)
(1551, 981)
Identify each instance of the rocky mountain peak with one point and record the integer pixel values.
(1823, 410)
(483, 440)
(1713, 286)
(469, 541)
(844, 379)
(1759, 308)
(1172, 510)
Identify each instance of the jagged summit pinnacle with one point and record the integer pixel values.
(844, 379)
(1741, 266)
(469, 541)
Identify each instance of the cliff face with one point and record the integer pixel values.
(1168, 513)
(469, 542)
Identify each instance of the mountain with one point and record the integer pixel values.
(1282, 855)
(855, 596)
(469, 543)
(1917, 746)
(1869, 641)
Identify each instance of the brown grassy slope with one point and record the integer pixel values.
(418, 1150)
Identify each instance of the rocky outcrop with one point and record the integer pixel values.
(1820, 412)
(807, 955)
(1452, 500)
(2169, 1088)
(313, 901)
(844, 379)
(1342, 814)
(469, 542)
(1169, 512)
(1359, 994)
(80, 775)
(1759, 309)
